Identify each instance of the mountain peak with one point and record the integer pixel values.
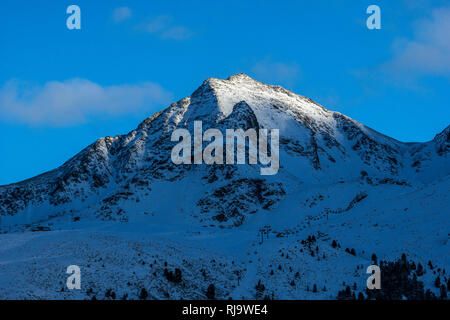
(240, 77)
(234, 78)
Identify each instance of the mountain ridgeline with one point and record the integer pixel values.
(123, 178)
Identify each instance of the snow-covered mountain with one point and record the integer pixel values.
(121, 208)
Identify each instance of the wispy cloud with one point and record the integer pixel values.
(163, 27)
(276, 72)
(423, 5)
(428, 52)
(121, 14)
(177, 33)
(157, 24)
(75, 101)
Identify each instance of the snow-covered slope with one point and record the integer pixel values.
(338, 180)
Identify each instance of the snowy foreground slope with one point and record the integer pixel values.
(129, 217)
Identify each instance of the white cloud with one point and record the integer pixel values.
(121, 14)
(428, 53)
(276, 72)
(177, 33)
(157, 24)
(75, 101)
(163, 27)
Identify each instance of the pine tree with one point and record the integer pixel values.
(143, 294)
(403, 257)
(211, 292)
(110, 294)
(177, 277)
(334, 244)
(260, 287)
(437, 282)
(443, 292)
(419, 271)
(374, 258)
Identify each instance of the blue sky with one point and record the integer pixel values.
(61, 89)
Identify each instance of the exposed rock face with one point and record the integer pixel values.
(442, 142)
